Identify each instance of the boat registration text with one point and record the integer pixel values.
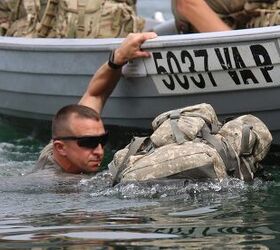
(209, 69)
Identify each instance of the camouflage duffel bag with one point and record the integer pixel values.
(250, 139)
(190, 143)
(190, 160)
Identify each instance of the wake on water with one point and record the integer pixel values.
(100, 185)
(19, 157)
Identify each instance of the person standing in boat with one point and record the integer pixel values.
(221, 15)
(78, 134)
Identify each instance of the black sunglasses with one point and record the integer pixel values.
(88, 141)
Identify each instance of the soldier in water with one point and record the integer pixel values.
(78, 133)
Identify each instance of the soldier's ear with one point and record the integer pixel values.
(59, 147)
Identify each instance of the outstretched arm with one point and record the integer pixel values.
(106, 78)
(200, 15)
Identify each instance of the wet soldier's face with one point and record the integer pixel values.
(81, 159)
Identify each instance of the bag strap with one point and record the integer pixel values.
(247, 165)
(241, 166)
(179, 136)
(177, 133)
(245, 139)
(134, 146)
(226, 152)
(46, 23)
(246, 172)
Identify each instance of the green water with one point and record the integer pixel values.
(85, 213)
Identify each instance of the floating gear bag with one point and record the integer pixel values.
(191, 143)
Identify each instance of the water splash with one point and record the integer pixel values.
(100, 185)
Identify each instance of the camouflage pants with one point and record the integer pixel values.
(240, 14)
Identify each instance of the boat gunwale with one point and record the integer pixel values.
(105, 44)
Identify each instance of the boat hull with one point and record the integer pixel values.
(236, 72)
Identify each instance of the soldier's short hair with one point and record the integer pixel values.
(60, 122)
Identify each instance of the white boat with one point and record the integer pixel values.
(235, 71)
